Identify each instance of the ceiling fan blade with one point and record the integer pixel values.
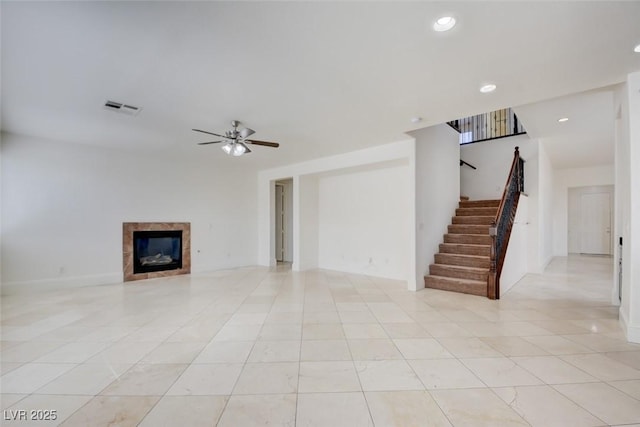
(210, 133)
(265, 143)
(210, 142)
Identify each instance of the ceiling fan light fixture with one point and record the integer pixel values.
(227, 148)
(239, 149)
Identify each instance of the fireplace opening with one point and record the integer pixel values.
(157, 251)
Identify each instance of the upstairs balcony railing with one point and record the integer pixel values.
(492, 125)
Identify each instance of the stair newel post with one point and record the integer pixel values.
(492, 284)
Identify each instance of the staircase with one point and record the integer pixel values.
(462, 265)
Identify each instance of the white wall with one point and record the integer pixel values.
(306, 240)
(563, 179)
(311, 210)
(628, 201)
(363, 217)
(545, 207)
(64, 205)
(493, 162)
(515, 261)
(437, 191)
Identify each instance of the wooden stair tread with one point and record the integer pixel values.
(476, 245)
(460, 267)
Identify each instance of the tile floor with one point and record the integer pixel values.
(253, 347)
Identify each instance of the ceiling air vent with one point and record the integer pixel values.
(122, 108)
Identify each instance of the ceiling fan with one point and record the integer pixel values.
(236, 140)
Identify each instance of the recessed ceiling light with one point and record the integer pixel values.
(637, 48)
(563, 119)
(416, 119)
(488, 88)
(444, 23)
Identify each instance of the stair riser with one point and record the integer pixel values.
(476, 212)
(459, 273)
(434, 283)
(479, 203)
(468, 229)
(473, 220)
(471, 239)
(465, 250)
(452, 259)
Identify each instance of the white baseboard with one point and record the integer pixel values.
(43, 285)
(631, 331)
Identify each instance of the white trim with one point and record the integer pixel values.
(631, 331)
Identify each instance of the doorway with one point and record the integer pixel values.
(590, 214)
(283, 216)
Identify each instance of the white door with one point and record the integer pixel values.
(595, 227)
(280, 224)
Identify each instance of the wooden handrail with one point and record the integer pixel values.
(500, 230)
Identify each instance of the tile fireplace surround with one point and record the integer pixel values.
(127, 248)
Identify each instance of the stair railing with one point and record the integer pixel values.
(500, 229)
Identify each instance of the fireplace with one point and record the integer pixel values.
(155, 249)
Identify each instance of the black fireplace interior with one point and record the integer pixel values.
(157, 251)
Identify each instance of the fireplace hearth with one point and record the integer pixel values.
(155, 249)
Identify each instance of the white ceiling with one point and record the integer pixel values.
(319, 77)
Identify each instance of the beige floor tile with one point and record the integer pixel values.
(206, 379)
(192, 411)
(319, 350)
(557, 345)
(514, 346)
(174, 352)
(225, 352)
(275, 351)
(123, 352)
(327, 377)
(320, 316)
(476, 408)
(322, 331)
(145, 380)
(333, 410)
(280, 331)
(30, 377)
(380, 349)
(356, 331)
(445, 374)
(629, 358)
(387, 375)
(405, 330)
(602, 367)
(553, 370)
(357, 317)
(86, 379)
(544, 407)
(7, 399)
(444, 330)
(421, 348)
(605, 402)
(112, 411)
(468, 347)
(500, 372)
(268, 378)
(631, 387)
(248, 332)
(602, 343)
(260, 410)
(28, 351)
(405, 409)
